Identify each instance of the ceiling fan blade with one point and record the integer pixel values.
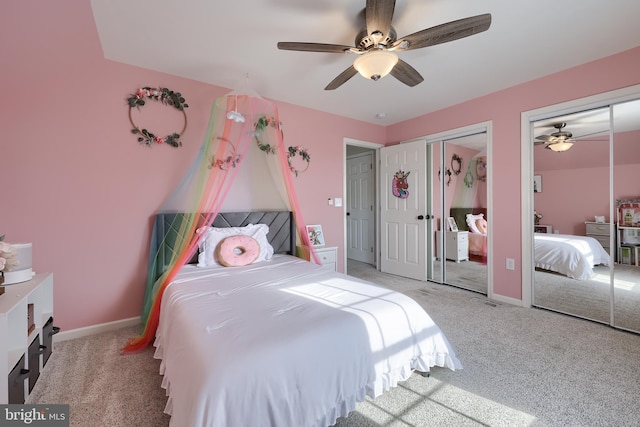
(544, 137)
(592, 134)
(444, 33)
(378, 15)
(342, 78)
(406, 74)
(313, 47)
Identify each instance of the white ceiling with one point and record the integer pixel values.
(224, 42)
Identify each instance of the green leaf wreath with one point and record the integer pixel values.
(166, 97)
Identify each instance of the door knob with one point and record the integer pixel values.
(348, 213)
(420, 217)
(428, 216)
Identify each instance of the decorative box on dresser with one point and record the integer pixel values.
(26, 331)
(601, 231)
(328, 256)
(456, 245)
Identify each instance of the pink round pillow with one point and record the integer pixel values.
(481, 224)
(236, 251)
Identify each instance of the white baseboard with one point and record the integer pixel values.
(507, 300)
(96, 329)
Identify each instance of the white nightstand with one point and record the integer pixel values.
(540, 228)
(328, 256)
(456, 245)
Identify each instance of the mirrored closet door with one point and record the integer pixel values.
(459, 199)
(582, 178)
(626, 214)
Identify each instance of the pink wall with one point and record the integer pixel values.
(504, 109)
(586, 168)
(77, 183)
(79, 186)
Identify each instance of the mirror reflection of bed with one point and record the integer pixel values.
(587, 184)
(471, 273)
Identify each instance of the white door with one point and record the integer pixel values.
(360, 214)
(403, 210)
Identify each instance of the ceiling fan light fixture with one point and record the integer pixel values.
(560, 146)
(375, 64)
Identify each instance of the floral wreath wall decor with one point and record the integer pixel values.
(291, 153)
(166, 97)
(231, 160)
(481, 170)
(456, 164)
(261, 125)
(448, 173)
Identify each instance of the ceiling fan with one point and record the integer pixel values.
(560, 140)
(377, 43)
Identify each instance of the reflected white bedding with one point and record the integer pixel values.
(286, 343)
(573, 256)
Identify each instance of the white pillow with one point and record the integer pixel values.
(471, 222)
(212, 236)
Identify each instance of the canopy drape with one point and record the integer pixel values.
(238, 123)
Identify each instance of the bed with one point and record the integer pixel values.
(573, 256)
(477, 239)
(284, 342)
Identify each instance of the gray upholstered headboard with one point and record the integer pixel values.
(282, 230)
(460, 215)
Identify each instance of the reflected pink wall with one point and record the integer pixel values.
(587, 167)
(504, 109)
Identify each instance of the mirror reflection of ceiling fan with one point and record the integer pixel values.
(376, 45)
(561, 140)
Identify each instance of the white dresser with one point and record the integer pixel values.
(26, 330)
(601, 231)
(456, 245)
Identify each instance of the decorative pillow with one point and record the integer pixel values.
(481, 225)
(236, 251)
(212, 236)
(471, 222)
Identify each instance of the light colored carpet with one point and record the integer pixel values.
(471, 275)
(522, 367)
(591, 298)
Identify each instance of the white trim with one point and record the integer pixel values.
(96, 329)
(466, 131)
(526, 166)
(376, 156)
(507, 300)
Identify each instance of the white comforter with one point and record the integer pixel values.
(286, 343)
(573, 256)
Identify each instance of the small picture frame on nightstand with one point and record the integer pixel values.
(452, 224)
(315, 235)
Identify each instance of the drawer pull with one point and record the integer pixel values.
(24, 374)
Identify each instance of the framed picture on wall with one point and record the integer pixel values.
(315, 235)
(537, 183)
(452, 224)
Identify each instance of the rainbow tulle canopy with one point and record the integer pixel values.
(243, 131)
